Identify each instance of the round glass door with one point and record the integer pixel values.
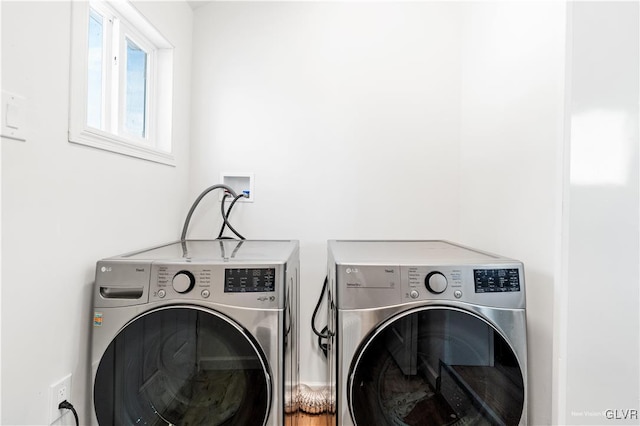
(436, 366)
(182, 366)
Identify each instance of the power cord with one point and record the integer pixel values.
(66, 405)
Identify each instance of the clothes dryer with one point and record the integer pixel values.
(425, 333)
(197, 333)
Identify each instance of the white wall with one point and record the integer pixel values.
(347, 113)
(511, 132)
(65, 206)
(598, 364)
(1, 112)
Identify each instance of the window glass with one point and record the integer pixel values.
(121, 84)
(136, 90)
(95, 70)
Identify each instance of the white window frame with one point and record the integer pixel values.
(126, 22)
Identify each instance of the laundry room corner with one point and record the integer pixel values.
(336, 109)
(448, 152)
(507, 126)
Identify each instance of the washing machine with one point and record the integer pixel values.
(425, 333)
(197, 332)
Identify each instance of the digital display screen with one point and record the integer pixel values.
(249, 280)
(496, 280)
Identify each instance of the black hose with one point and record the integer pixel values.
(324, 334)
(225, 215)
(320, 334)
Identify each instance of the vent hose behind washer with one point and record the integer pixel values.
(310, 400)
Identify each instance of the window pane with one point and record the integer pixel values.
(136, 90)
(94, 80)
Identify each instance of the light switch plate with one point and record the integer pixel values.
(13, 116)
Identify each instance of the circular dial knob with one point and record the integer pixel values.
(435, 282)
(183, 281)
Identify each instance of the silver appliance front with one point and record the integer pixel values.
(433, 365)
(182, 365)
(425, 333)
(197, 332)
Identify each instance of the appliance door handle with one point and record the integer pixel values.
(121, 292)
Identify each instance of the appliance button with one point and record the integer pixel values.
(457, 294)
(414, 294)
(183, 281)
(161, 293)
(205, 293)
(436, 282)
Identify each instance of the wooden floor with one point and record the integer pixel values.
(312, 420)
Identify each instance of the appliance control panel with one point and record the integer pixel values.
(248, 286)
(374, 286)
(491, 285)
(498, 280)
(242, 280)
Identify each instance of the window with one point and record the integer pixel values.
(121, 80)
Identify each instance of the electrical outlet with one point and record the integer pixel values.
(58, 392)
